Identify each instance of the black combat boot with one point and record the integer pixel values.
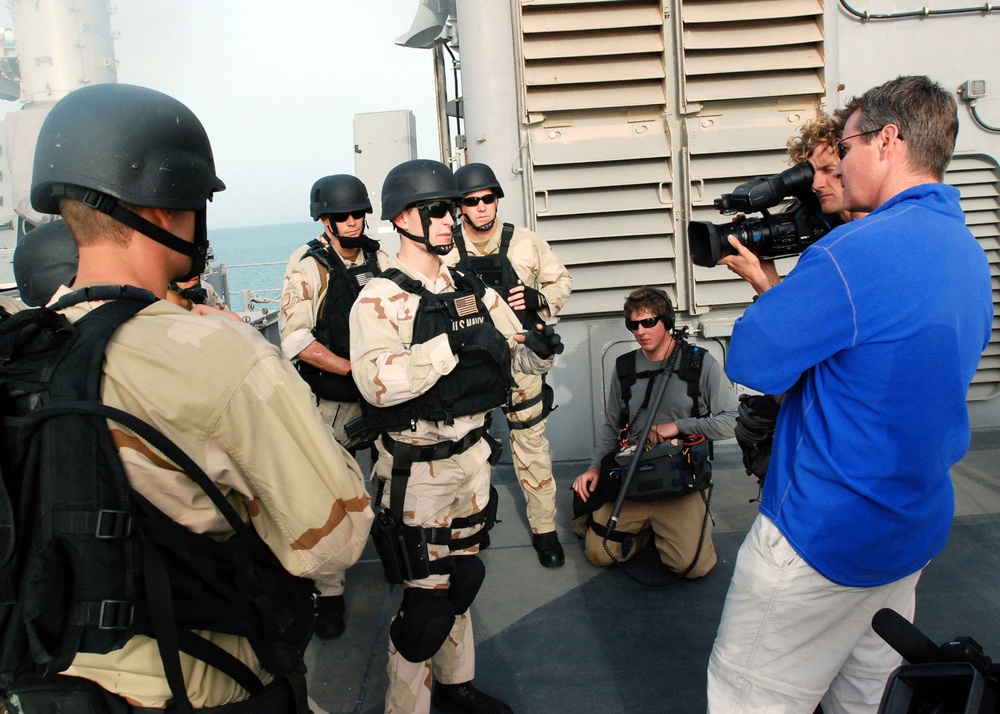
(330, 617)
(550, 553)
(466, 699)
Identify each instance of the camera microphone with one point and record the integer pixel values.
(900, 634)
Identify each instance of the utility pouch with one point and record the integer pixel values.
(384, 533)
(358, 428)
(402, 549)
(59, 694)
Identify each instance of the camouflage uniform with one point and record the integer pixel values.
(389, 369)
(302, 298)
(535, 263)
(212, 297)
(244, 416)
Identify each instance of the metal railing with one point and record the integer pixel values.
(249, 297)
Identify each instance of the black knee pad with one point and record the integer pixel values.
(422, 624)
(466, 580)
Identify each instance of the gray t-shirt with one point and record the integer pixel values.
(718, 400)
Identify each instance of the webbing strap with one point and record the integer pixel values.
(521, 406)
(403, 457)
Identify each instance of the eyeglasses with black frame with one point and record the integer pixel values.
(473, 201)
(437, 209)
(842, 150)
(648, 322)
(342, 217)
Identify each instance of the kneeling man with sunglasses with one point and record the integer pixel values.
(432, 351)
(699, 403)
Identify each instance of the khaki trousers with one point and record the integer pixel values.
(675, 524)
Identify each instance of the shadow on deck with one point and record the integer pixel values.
(586, 639)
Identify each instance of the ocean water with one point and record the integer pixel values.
(264, 250)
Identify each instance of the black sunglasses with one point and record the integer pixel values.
(649, 323)
(437, 209)
(473, 201)
(842, 150)
(342, 217)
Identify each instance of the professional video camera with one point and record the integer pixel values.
(953, 678)
(787, 233)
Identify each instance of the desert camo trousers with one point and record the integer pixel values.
(336, 415)
(674, 523)
(532, 462)
(437, 492)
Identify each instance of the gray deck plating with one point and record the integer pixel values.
(587, 639)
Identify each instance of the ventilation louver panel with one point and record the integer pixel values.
(751, 49)
(594, 98)
(977, 178)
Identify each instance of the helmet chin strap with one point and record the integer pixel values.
(352, 243)
(425, 221)
(483, 228)
(197, 250)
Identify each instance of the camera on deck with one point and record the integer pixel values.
(788, 232)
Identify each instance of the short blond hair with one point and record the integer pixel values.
(88, 225)
(824, 129)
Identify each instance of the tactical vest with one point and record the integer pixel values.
(475, 386)
(496, 271)
(332, 328)
(85, 561)
(692, 358)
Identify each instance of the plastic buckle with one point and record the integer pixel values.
(98, 201)
(113, 524)
(115, 615)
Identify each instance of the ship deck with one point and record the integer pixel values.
(585, 639)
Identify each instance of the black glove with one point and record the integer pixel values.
(534, 300)
(543, 342)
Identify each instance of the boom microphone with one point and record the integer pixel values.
(900, 634)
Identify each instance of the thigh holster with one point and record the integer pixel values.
(403, 548)
(546, 396)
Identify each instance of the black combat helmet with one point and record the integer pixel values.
(476, 177)
(119, 141)
(45, 258)
(132, 143)
(341, 193)
(414, 181)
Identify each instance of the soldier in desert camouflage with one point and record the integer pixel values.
(432, 352)
(322, 280)
(243, 415)
(513, 260)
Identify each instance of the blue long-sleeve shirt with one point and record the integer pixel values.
(875, 336)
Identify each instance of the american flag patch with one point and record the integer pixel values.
(466, 305)
(364, 278)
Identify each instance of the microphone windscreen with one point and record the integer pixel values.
(912, 644)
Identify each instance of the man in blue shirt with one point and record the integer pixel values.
(873, 338)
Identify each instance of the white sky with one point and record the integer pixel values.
(277, 86)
